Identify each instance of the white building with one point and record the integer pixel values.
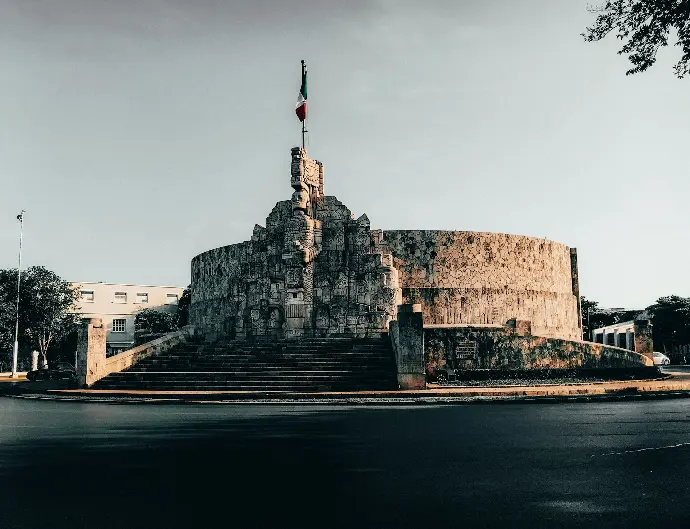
(117, 305)
(618, 335)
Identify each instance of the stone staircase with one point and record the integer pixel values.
(306, 365)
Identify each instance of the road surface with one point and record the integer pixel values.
(617, 464)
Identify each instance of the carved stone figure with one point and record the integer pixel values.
(312, 270)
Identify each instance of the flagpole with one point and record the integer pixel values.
(15, 352)
(305, 115)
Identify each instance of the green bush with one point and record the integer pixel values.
(152, 321)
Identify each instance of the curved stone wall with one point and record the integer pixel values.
(464, 277)
(500, 348)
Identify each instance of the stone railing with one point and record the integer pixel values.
(421, 351)
(496, 347)
(92, 364)
(130, 357)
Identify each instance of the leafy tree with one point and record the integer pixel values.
(45, 304)
(153, 321)
(588, 308)
(182, 315)
(595, 317)
(644, 25)
(7, 322)
(671, 320)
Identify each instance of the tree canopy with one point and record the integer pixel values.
(644, 26)
(670, 317)
(45, 308)
(154, 321)
(595, 317)
(182, 314)
(671, 320)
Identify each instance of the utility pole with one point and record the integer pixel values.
(20, 218)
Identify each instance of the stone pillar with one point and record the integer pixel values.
(302, 242)
(643, 338)
(90, 351)
(34, 360)
(408, 342)
(574, 274)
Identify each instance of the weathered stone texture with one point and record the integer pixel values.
(643, 338)
(91, 358)
(313, 270)
(496, 348)
(407, 338)
(487, 278)
(92, 363)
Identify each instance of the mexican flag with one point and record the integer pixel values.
(301, 107)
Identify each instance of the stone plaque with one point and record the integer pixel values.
(466, 350)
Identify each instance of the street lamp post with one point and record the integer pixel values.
(20, 218)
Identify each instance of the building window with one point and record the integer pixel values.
(119, 325)
(87, 296)
(120, 297)
(172, 299)
(142, 297)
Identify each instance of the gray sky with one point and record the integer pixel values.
(139, 133)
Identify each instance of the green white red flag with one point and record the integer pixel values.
(301, 107)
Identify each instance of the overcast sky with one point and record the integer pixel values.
(139, 133)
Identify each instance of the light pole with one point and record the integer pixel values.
(20, 218)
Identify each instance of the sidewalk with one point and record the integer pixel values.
(674, 383)
(6, 377)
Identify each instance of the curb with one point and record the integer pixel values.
(499, 395)
(668, 385)
(368, 401)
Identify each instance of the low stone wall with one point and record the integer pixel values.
(502, 348)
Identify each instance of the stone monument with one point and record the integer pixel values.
(314, 270)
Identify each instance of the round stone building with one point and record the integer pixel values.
(488, 278)
(314, 270)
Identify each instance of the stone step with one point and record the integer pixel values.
(366, 370)
(312, 364)
(243, 382)
(265, 360)
(249, 380)
(288, 354)
(191, 378)
(304, 340)
(255, 388)
(303, 349)
(291, 372)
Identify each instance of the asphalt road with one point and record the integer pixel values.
(617, 464)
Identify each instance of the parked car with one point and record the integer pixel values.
(660, 359)
(61, 371)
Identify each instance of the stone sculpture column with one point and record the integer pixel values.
(302, 241)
